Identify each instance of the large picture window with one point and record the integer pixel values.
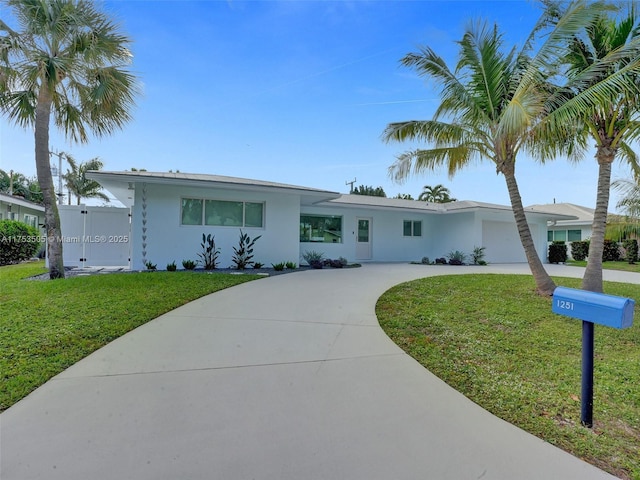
(222, 213)
(321, 228)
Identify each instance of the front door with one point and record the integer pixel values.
(363, 239)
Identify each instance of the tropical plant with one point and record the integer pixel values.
(437, 194)
(258, 265)
(14, 183)
(209, 254)
(631, 250)
(77, 182)
(620, 227)
(172, 267)
(291, 265)
(243, 253)
(477, 256)
(66, 63)
(369, 191)
(150, 265)
(278, 267)
(404, 196)
(490, 105)
(456, 257)
(600, 102)
(189, 264)
(312, 256)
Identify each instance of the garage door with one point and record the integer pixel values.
(502, 242)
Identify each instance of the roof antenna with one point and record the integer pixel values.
(351, 183)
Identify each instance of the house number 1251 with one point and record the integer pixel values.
(565, 305)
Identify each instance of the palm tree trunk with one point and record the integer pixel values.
(51, 216)
(592, 279)
(544, 284)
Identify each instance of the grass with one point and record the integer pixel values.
(624, 266)
(48, 326)
(494, 340)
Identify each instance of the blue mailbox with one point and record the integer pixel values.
(609, 310)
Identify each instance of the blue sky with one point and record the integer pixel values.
(298, 92)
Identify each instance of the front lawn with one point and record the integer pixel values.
(624, 266)
(497, 342)
(47, 326)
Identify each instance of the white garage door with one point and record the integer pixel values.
(502, 242)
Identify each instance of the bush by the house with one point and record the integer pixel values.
(171, 267)
(18, 241)
(243, 253)
(210, 253)
(457, 257)
(631, 250)
(580, 250)
(558, 252)
(611, 252)
(189, 264)
(477, 256)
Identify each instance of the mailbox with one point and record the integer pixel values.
(609, 310)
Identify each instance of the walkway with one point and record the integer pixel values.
(288, 377)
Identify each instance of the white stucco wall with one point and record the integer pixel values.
(167, 240)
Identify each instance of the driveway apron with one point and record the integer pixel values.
(288, 377)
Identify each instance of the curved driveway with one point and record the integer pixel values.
(288, 377)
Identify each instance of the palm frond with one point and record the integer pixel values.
(418, 161)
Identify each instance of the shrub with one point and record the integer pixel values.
(558, 252)
(278, 267)
(189, 264)
(456, 257)
(210, 253)
(611, 252)
(312, 256)
(336, 264)
(477, 256)
(243, 253)
(441, 261)
(171, 267)
(580, 250)
(631, 249)
(150, 266)
(291, 265)
(18, 241)
(343, 261)
(257, 265)
(425, 261)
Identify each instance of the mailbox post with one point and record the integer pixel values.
(591, 308)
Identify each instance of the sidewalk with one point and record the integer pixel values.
(283, 378)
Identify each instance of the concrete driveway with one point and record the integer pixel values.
(288, 377)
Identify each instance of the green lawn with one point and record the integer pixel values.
(624, 266)
(493, 339)
(47, 326)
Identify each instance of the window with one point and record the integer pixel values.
(575, 235)
(412, 228)
(321, 229)
(31, 220)
(221, 213)
(561, 235)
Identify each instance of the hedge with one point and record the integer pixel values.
(18, 241)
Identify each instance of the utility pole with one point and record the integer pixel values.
(59, 155)
(351, 183)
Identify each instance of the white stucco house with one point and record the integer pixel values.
(569, 230)
(171, 211)
(17, 208)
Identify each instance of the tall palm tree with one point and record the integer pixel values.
(436, 194)
(489, 105)
(600, 102)
(67, 63)
(628, 225)
(77, 182)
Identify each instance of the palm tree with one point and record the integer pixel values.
(489, 105)
(620, 227)
(600, 101)
(77, 182)
(66, 64)
(437, 194)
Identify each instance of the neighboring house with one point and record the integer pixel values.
(17, 208)
(571, 230)
(171, 211)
